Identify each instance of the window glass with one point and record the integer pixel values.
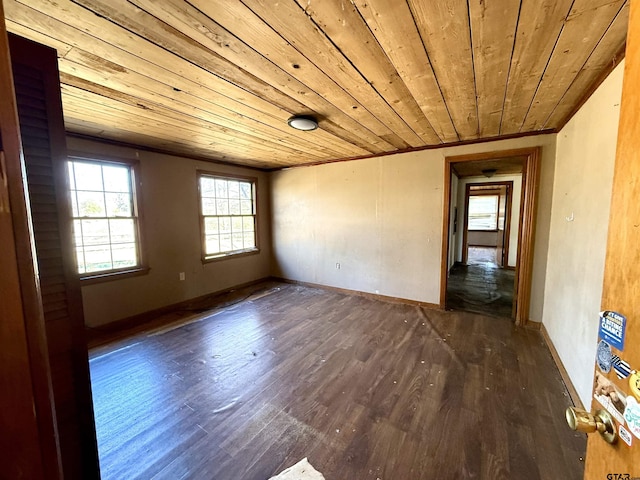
(483, 212)
(105, 220)
(228, 215)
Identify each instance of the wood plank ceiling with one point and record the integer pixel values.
(219, 79)
(479, 168)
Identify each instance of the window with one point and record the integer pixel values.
(105, 217)
(483, 212)
(227, 215)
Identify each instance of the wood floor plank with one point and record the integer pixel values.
(363, 388)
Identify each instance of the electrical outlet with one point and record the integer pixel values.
(337, 266)
(182, 276)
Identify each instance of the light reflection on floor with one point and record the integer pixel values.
(214, 362)
(481, 286)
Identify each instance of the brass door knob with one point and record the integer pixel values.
(585, 422)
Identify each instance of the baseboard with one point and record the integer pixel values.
(94, 333)
(573, 393)
(533, 325)
(373, 296)
(104, 334)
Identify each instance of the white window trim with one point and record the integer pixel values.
(236, 253)
(134, 168)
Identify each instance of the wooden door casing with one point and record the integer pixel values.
(531, 158)
(504, 210)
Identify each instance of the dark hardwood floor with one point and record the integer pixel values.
(365, 389)
(481, 286)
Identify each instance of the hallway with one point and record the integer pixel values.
(481, 286)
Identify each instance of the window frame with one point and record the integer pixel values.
(483, 194)
(142, 267)
(203, 237)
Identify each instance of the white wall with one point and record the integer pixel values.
(515, 212)
(578, 235)
(172, 233)
(381, 219)
(480, 238)
(453, 236)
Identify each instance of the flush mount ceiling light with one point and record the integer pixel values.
(489, 172)
(303, 122)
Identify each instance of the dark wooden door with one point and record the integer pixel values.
(37, 92)
(28, 433)
(20, 442)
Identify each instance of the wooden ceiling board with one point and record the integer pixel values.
(152, 31)
(182, 127)
(261, 132)
(259, 36)
(486, 189)
(62, 47)
(108, 60)
(536, 37)
(330, 145)
(103, 67)
(218, 79)
(292, 24)
(493, 32)
(592, 71)
(584, 28)
(122, 133)
(444, 28)
(217, 40)
(83, 128)
(114, 62)
(184, 109)
(117, 114)
(394, 28)
(503, 166)
(347, 30)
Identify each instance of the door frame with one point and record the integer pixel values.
(507, 215)
(524, 263)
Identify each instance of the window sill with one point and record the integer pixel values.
(229, 256)
(97, 277)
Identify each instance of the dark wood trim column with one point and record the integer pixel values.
(29, 441)
(36, 83)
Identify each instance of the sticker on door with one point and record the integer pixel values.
(612, 328)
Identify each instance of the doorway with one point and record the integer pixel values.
(488, 230)
(480, 279)
(487, 220)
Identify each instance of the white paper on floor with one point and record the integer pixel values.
(300, 471)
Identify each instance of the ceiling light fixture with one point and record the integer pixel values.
(489, 172)
(303, 122)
